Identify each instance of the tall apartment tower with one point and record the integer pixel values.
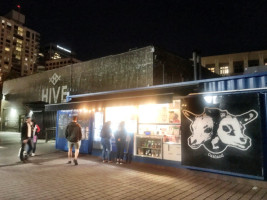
(19, 46)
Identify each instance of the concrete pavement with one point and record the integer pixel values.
(46, 176)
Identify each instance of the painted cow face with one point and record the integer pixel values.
(201, 128)
(217, 129)
(231, 129)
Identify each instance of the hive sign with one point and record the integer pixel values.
(55, 94)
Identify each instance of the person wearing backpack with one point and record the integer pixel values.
(73, 135)
(36, 130)
(105, 141)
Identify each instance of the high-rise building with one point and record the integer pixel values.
(19, 46)
(55, 56)
(55, 51)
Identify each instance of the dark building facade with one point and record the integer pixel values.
(142, 67)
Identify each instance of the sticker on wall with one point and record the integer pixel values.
(217, 129)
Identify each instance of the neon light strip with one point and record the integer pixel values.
(63, 49)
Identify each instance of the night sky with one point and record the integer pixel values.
(95, 28)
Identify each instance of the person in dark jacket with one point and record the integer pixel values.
(74, 135)
(26, 134)
(105, 141)
(120, 139)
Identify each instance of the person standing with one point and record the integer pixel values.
(105, 141)
(120, 139)
(73, 135)
(26, 133)
(35, 132)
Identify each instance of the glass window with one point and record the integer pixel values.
(265, 61)
(18, 48)
(7, 49)
(238, 66)
(224, 69)
(252, 63)
(211, 67)
(28, 34)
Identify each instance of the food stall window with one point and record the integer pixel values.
(159, 131)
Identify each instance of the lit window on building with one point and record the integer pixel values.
(19, 41)
(224, 69)
(7, 49)
(238, 67)
(265, 61)
(18, 48)
(20, 33)
(56, 56)
(18, 57)
(253, 63)
(211, 67)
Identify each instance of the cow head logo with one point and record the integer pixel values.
(217, 129)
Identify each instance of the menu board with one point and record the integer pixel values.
(160, 113)
(99, 120)
(83, 120)
(65, 117)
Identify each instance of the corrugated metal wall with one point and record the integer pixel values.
(236, 83)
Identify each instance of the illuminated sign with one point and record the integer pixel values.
(63, 49)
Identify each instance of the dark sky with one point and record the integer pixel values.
(95, 28)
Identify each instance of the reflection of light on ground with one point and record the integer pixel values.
(2, 147)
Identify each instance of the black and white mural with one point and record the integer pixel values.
(223, 133)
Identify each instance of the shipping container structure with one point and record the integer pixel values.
(215, 125)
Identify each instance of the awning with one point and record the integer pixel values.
(135, 96)
(124, 101)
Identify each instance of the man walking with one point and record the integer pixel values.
(74, 135)
(26, 133)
